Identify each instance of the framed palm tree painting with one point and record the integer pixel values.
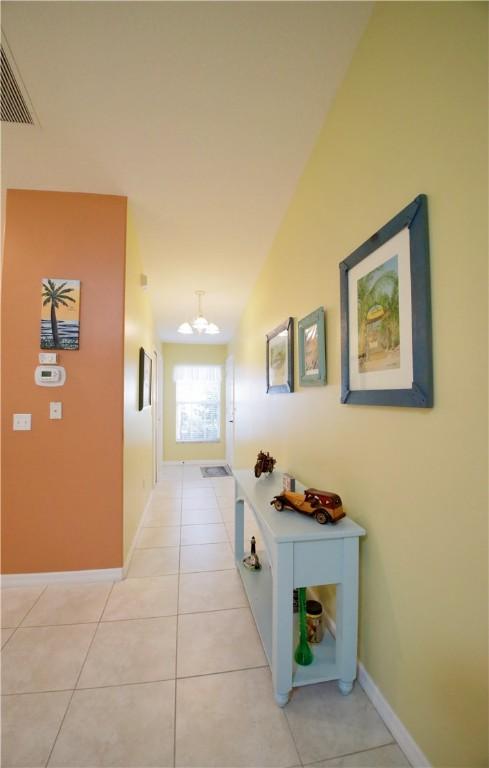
(60, 314)
(386, 351)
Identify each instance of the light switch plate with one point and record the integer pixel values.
(22, 422)
(48, 358)
(55, 410)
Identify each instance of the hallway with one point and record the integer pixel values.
(166, 667)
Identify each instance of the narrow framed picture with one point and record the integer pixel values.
(60, 313)
(386, 347)
(280, 358)
(145, 364)
(312, 350)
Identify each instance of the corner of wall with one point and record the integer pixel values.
(139, 331)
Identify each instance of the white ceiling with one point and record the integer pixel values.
(202, 113)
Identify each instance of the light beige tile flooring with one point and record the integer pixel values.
(166, 668)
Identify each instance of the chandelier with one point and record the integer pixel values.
(199, 323)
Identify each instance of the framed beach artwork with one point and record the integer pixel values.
(60, 314)
(312, 352)
(145, 364)
(280, 358)
(386, 348)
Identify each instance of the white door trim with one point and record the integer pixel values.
(230, 410)
(158, 414)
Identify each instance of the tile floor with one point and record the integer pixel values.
(166, 668)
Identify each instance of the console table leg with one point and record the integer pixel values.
(281, 699)
(345, 687)
(282, 617)
(346, 617)
(239, 530)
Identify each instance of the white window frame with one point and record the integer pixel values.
(186, 374)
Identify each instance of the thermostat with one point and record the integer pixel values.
(50, 375)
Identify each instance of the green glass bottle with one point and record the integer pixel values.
(303, 654)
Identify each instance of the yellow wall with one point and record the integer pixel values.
(138, 425)
(190, 354)
(410, 117)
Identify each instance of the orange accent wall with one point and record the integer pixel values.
(62, 481)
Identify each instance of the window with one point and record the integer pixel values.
(198, 403)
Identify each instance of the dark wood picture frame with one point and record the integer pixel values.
(145, 372)
(280, 354)
(412, 225)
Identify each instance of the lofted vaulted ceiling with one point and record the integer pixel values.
(202, 113)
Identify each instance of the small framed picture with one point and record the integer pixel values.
(280, 358)
(312, 351)
(145, 364)
(60, 313)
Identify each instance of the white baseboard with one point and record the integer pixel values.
(105, 574)
(401, 734)
(197, 462)
(135, 538)
(56, 577)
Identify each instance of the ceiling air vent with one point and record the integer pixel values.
(13, 106)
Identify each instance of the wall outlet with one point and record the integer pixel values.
(55, 410)
(22, 422)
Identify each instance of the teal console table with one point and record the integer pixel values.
(298, 552)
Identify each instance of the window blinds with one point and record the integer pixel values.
(198, 403)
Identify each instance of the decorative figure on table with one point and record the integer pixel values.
(264, 463)
(252, 562)
(288, 482)
(324, 506)
(314, 618)
(303, 654)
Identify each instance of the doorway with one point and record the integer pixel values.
(230, 410)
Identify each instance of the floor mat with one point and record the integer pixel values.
(215, 471)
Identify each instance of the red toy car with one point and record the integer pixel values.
(326, 507)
